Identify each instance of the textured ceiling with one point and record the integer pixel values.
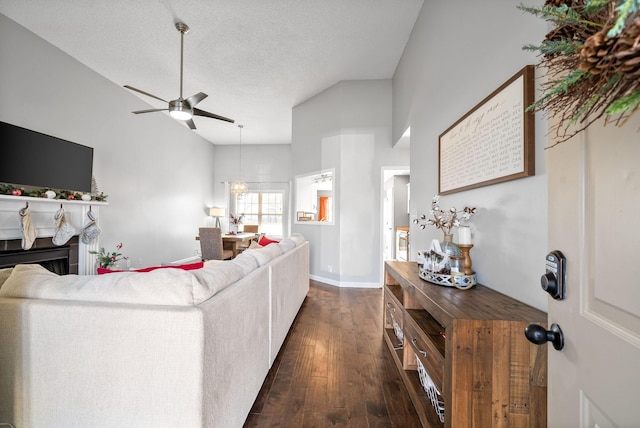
(256, 59)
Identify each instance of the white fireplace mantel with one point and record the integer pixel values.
(42, 217)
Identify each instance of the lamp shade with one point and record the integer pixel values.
(216, 212)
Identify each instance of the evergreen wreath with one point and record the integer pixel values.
(592, 57)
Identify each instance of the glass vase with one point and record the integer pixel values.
(449, 247)
(99, 265)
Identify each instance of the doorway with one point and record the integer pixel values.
(395, 213)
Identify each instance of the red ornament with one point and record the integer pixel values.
(70, 197)
(16, 192)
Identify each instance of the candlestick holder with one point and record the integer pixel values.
(467, 258)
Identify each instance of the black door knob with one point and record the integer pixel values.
(537, 334)
(549, 283)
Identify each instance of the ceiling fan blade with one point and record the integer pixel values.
(195, 99)
(198, 112)
(149, 111)
(144, 93)
(190, 124)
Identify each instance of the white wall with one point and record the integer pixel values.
(157, 172)
(458, 53)
(268, 163)
(347, 127)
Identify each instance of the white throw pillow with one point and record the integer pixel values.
(265, 254)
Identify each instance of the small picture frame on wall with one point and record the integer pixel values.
(494, 142)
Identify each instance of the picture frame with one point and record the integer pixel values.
(494, 142)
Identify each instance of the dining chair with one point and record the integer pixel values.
(250, 228)
(211, 246)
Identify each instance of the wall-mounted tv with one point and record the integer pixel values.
(29, 158)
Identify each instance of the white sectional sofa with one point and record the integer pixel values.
(166, 348)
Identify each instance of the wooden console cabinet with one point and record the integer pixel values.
(480, 369)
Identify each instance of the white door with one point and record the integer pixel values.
(594, 219)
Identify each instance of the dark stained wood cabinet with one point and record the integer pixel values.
(468, 349)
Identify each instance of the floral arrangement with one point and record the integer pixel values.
(592, 58)
(444, 220)
(109, 259)
(236, 220)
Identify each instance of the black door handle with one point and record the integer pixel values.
(537, 334)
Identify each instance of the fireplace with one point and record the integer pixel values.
(43, 210)
(58, 259)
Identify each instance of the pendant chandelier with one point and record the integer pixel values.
(239, 187)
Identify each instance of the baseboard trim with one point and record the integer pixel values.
(344, 284)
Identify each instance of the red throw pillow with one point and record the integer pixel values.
(189, 266)
(266, 241)
(102, 270)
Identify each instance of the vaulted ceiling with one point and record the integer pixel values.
(256, 59)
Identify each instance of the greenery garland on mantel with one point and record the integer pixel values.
(592, 61)
(70, 195)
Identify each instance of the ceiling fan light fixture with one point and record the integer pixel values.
(181, 114)
(180, 110)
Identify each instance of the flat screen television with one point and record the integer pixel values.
(29, 158)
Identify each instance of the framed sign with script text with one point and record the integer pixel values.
(493, 142)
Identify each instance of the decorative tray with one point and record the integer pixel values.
(459, 281)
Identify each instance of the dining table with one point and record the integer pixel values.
(236, 241)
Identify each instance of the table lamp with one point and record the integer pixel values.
(217, 213)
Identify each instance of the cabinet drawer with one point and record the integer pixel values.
(427, 352)
(392, 309)
(393, 317)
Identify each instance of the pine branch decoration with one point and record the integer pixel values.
(592, 58)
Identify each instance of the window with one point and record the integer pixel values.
(265, 209)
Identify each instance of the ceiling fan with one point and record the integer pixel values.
(182, 108)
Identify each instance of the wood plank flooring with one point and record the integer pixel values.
(334, 368)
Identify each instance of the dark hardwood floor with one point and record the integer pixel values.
(334, 368)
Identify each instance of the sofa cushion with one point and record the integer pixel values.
(246, 262)
(216, 278)
(297, 238)
(174, 287)
(264, 255)
(4, 274)
(286, 244)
